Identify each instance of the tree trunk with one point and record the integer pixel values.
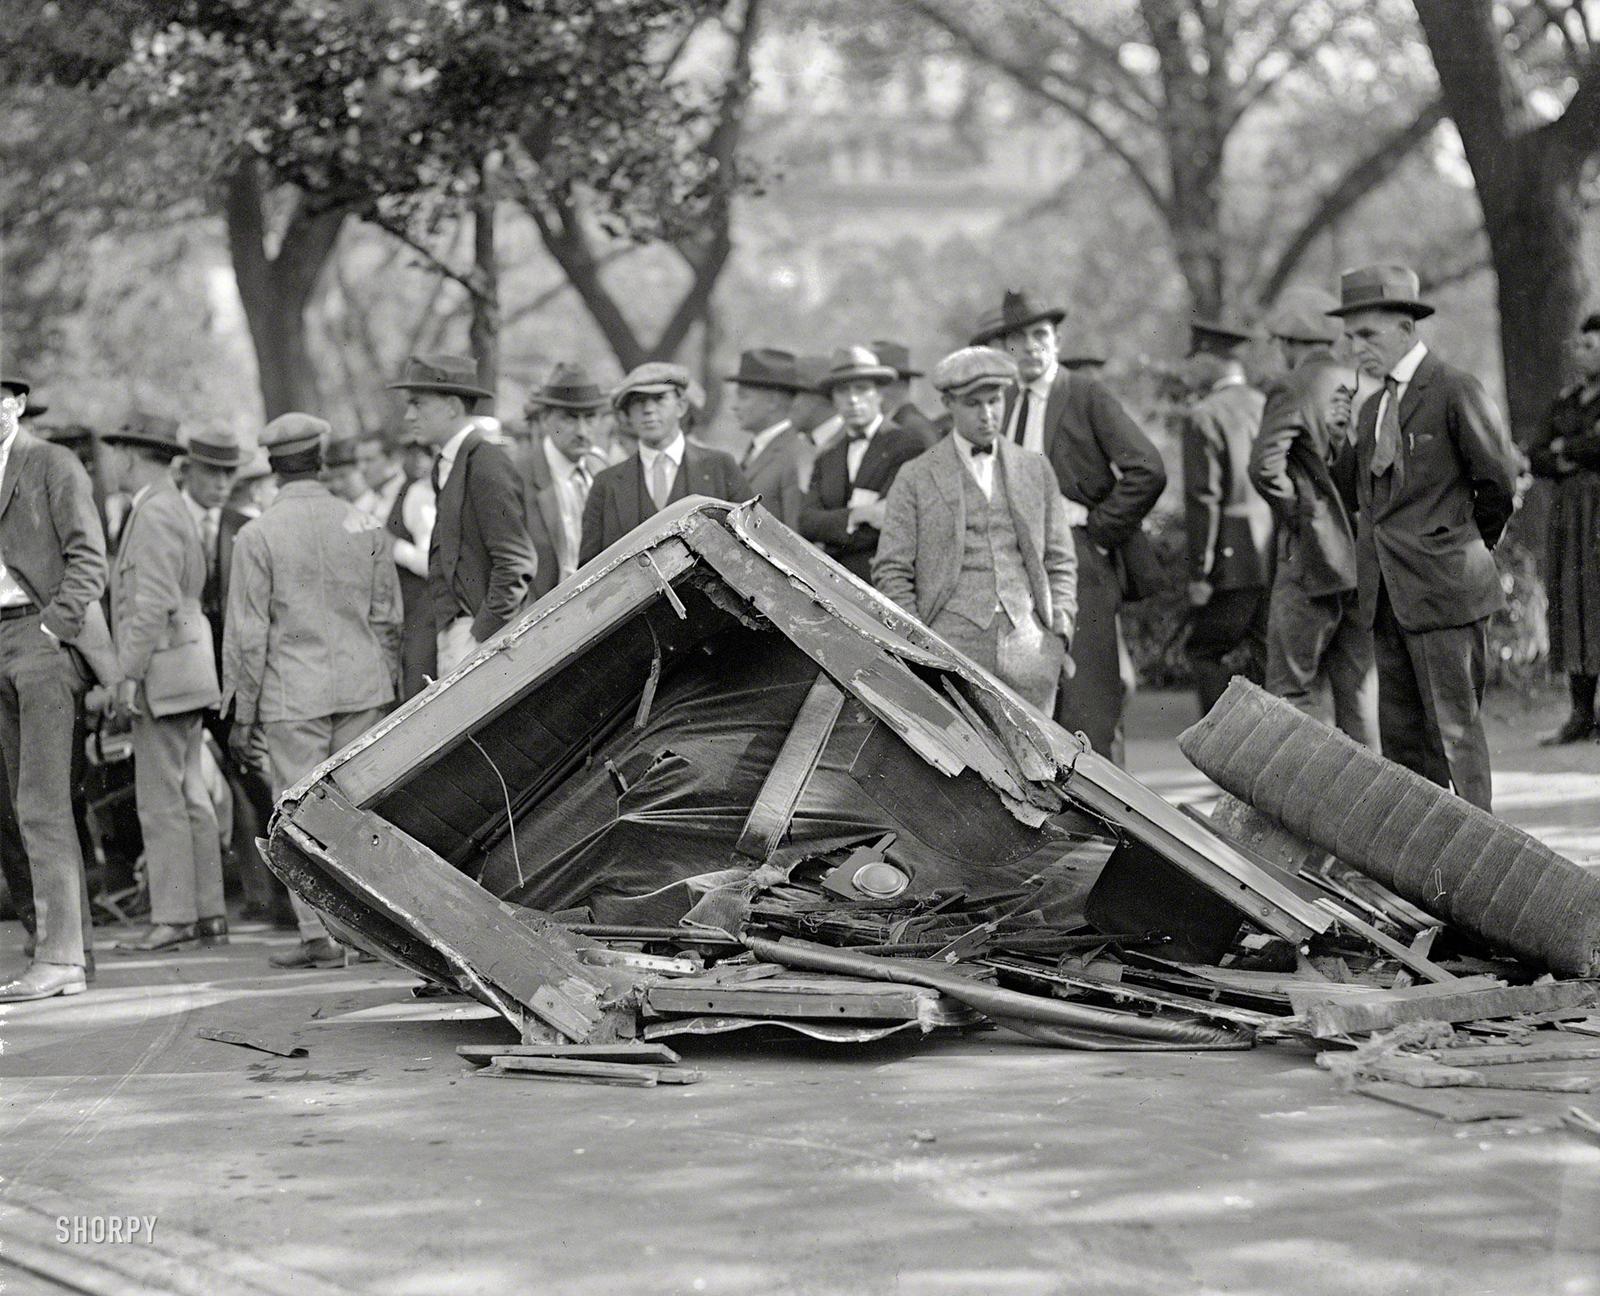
(484, 330)
(277, 290)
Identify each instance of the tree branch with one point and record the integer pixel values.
(471, 280)
(1367, 174)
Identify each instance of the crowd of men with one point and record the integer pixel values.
(287, 599)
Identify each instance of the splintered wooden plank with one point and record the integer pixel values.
(1459, 1106)
(786, 781)
(1388, 1010)
(1406, 956)
(621, 1051)
(861, 1000)
(456, 915)
(422, 731)
(626, 1077)
(1546, 1047)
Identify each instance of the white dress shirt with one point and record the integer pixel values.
(1038, 396)
(981, 466)
(1405, 369)
(449, 451)
(648, 456)
(378, 504)
(572, 493)
(856, 451)
(11, 592)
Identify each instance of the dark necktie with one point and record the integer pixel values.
(436, 476)
(1386, 450)
(1019, 430)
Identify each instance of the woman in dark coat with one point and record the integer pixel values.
(1567, 450)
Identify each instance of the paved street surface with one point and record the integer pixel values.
(377, 1164)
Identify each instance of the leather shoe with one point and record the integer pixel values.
(44, 981)
(1577, 728)
(324, 952)
(162, 936)
(212, 931)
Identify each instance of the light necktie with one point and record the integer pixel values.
(661, 480)
(1019, 430)
(208, 532)
(1386, 450)
(583, 479)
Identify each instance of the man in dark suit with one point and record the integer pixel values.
(52, 571)
(778, 459)
(1111, 476)
(481, 563)
(559, 463)
(844, 508)
(976, 541)
(901, 411)
(1431, 474)
(1228, 525)
(1317, 649)
(666, 467)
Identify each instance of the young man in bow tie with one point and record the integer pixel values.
(976, 540)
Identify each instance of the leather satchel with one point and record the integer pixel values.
(182, 675)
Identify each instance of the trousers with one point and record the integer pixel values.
(294, 749)
(1092, 700)
(182, 849)
(1430, 695)
(1232, 626)
(1320, 660)
(39, 689)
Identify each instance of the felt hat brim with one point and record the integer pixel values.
(1404, 305)
(883, 375)
(993, 328)
(464, 390)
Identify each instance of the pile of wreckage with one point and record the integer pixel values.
(715, 782)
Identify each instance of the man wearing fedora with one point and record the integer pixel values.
(1111, 476)
(168, 669)
(559, 463)
(1228, 525)
(312, 655)
(1319, 655)
(811, 411)
(778, 459)
(1431, 476)
(844, 508)
(976, 541)
(52, 572)
(481, 563)
(666, 467)
(899, 408)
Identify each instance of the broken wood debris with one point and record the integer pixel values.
(262, 1043)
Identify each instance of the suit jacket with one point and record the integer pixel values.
(777, 474)
(481, 562)
(1103, 460)
(1229, 526)
(1426, 527)
(214, 597)
(541, 510)
(159, 575)
(825, 516)
(1291, 467)
(620, 501)
(910, 418)
(50, 533)
(918, 562)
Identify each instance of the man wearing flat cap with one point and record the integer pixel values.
(1319, 655)
(778, 460)
(311, 657)
(901, 411)
(559, 464)
(169, 679)
(1111, 475)
(976, 541)
(1431, 476)
(52, 572)
(667, 467)
(1228, 525)
(844, 507)
(481, 562)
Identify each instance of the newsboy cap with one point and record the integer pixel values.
(651, 378)
(971, 368)
(293, 434)
(1303, 316)
(1215, 337)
